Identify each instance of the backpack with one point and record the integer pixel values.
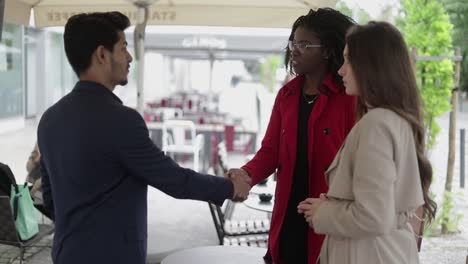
(6, 179)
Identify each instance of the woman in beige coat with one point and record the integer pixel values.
(380, 176)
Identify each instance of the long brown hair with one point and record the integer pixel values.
(386, 79)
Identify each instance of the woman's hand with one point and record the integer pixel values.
(234, 173)
(309, 206)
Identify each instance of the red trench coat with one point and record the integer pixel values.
(331, 119)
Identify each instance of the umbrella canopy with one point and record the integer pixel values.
(237, 13)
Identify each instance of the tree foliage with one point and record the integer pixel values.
(358, 14)
(426, 26)
(268, 70)
(363, 17)
(344, 8)
(458, 11)
(387, 14)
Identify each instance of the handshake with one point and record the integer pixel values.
(241, 182)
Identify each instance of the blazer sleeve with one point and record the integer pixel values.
(47, 191)
(372, 212)
(142, 159)
(265, 160)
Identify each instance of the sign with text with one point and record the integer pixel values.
(60, 16)
(235, 13)
(177, 15)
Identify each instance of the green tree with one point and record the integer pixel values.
(458, 11)
(363, 17)
(426, 26)
(387, 14)
(268, 72)
(344, 8)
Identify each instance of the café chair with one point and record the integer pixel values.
(179, 137)
(252, 232)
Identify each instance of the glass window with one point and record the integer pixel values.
(11, 72)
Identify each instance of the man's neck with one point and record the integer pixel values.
(97, 79)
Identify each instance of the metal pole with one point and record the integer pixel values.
(212, 59)
(139, 42)
(462, 158)
(2, 9)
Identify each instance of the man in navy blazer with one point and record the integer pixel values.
(98, 159)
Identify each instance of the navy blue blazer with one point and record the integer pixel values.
(97, 160)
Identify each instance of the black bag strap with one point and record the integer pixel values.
(15, 207)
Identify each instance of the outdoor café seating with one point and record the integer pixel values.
(179, 137)
(251, 232)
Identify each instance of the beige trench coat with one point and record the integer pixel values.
(374, 186)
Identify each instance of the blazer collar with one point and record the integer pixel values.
(96, 88)
(328, 84)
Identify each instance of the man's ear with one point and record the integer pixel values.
(100, 54)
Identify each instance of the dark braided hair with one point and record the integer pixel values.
(330, 26)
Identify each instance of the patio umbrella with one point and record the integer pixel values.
(236, 13)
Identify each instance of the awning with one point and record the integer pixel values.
(237, 13)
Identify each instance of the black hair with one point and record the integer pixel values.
(84, 33)
(330, 26)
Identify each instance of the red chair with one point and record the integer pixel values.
(229, 135)
(242, 145)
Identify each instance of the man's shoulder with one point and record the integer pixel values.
(128, 112)
(128, 119)
(55, 108)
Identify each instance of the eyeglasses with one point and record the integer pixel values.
(302, 46)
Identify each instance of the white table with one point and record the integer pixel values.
(217, 255)
(253, 201)
(269, 187)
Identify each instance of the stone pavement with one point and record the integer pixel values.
(178, 224)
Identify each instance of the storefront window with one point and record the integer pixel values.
(64, 81)
(11, 72)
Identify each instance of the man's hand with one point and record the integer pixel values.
(234, 173)
(242, 183)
